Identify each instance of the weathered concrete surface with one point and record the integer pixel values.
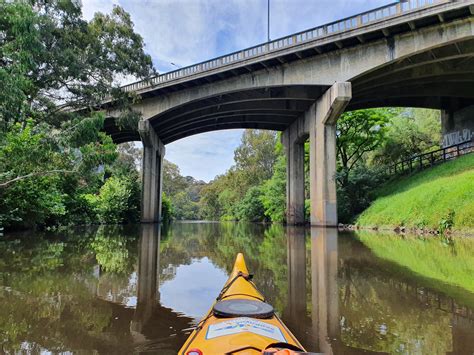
(457, 126)
(322, 142)
(152, 173)
(407, 69)
(294, 178)
(319, 124)
(343, 65)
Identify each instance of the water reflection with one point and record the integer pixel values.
(139, 289)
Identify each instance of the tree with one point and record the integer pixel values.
(55, 69)
(359, 132)
(274, 190)
(51, 56)
(173, 182)
(250, 208)
(411, 132)
(255, 156)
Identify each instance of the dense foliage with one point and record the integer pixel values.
(54, 159)
(238, 194)
(181, 194)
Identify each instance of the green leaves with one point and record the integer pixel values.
(49, 55)
(359, 132)
(50, 156)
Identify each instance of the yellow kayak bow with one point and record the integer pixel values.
(240, 322)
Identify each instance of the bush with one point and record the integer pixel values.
(357, 193)
(274, 193)
(32, 200)
(118, 201)
(166, 208)
(250, 208)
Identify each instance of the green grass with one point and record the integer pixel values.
(426, 198)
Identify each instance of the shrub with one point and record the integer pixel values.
(250, 208)
(274, 192)
(357, 193)
(166, 208)
(118, 201)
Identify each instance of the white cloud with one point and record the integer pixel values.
(189, 31)
(89, 7)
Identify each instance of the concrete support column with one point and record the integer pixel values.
(153, 154)
(322, 136)
(294, 179)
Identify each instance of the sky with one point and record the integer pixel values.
(184, 32)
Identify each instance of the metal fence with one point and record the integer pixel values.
(429, 159)
(349, 23)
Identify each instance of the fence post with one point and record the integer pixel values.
(457, 150)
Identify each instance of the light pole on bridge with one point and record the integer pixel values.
(268, 20)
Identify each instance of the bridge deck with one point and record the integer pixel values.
(380, 22)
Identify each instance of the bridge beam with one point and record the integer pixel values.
(152, 173)
(322, 139)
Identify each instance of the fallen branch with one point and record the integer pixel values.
(35, 174)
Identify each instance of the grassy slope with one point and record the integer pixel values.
(424, 199)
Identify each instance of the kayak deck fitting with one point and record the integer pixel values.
(241, 322)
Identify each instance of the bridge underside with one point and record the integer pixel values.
(272, 108)
(440, 78)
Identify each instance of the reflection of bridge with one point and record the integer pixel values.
(323, 332)
(411, 53)
(148, 325)
(149, 319)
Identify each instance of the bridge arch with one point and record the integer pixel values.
(415, 58)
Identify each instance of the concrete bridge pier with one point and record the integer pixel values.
(319, 125)
(152, 169)
(322, 140)
(293, 141)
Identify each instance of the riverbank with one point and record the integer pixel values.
(438, 199)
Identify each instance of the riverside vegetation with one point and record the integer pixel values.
(58, 168)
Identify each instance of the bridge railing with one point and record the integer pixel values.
(365, 18)
(429, 159)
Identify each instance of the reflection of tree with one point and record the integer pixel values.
(264, 248)
(113, 250)
(48, 291)
(42, 304)
(378, 317)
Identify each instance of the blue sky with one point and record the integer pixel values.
(184, 32)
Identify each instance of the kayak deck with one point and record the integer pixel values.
(240, 334)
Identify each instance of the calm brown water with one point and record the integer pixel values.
(116, 290)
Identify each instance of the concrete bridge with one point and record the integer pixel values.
(413, 53)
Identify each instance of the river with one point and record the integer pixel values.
(131, 289)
